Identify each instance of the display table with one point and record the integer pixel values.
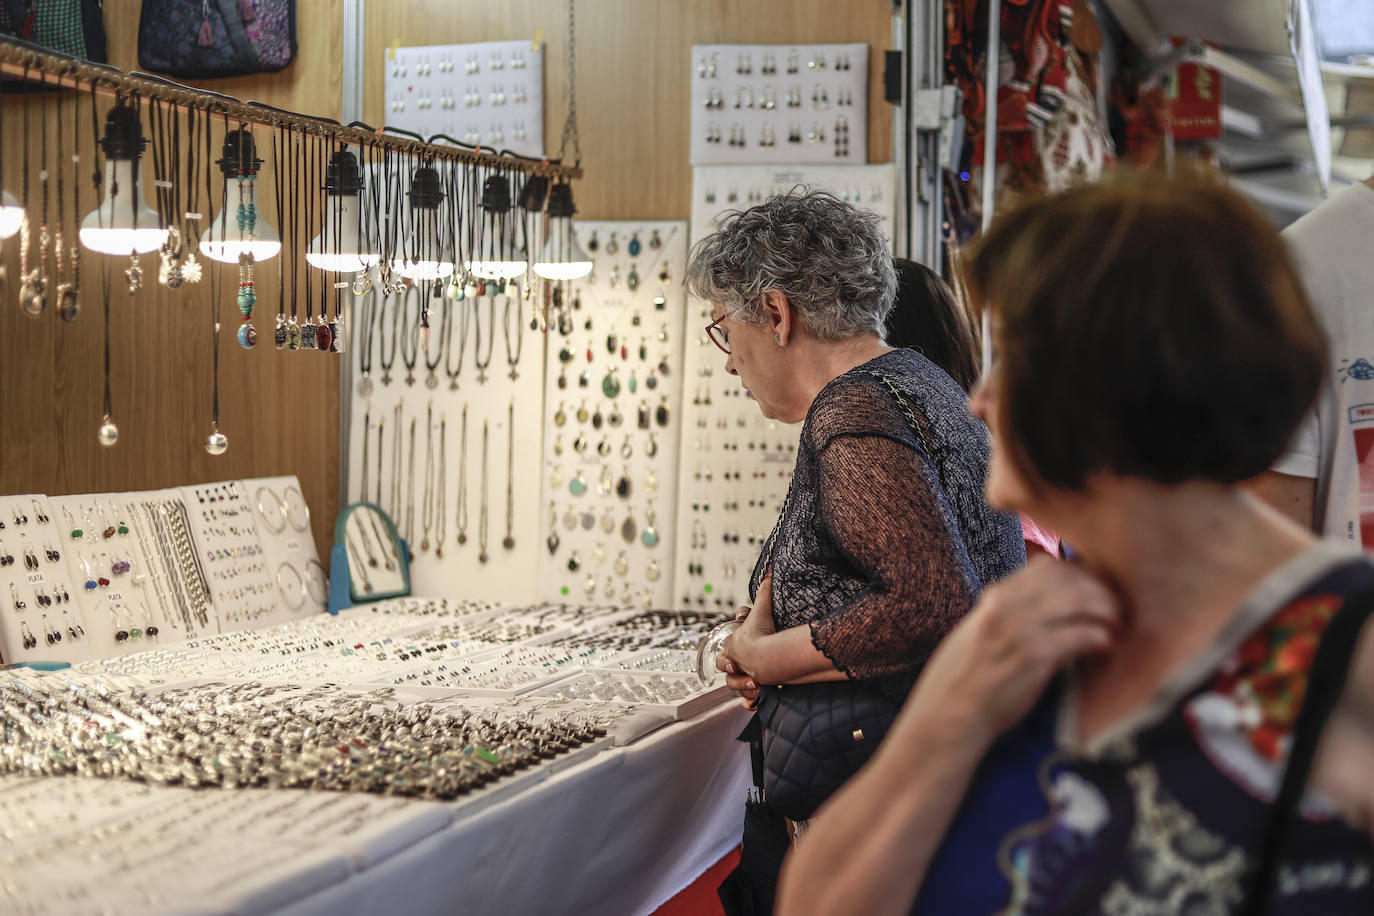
(618, 834)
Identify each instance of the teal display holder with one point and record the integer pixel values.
(369, 560)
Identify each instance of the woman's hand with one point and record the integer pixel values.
(993, 667)
(744, 643)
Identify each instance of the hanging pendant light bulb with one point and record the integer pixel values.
(244, 229)
(562, 258)
(423, 252)
(123, 223)
(342, 245)
(11, 215)
(498, 255)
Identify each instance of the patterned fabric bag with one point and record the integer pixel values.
(72, 27)
(209, 38)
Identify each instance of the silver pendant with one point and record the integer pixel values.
(67, 306)
(431, 380)
(31, 296)
(365, 386)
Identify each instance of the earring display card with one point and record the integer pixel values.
(613, 390)
(484, 94)
(42, 617)
(417, 444)
(283, 524)
(736, 464)
(779, 103)
(231, 556)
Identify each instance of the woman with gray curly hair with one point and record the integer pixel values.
(885, 539)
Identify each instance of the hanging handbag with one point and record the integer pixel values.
(210, 38)
(75, 28)
(816, 736)
(1325, 681)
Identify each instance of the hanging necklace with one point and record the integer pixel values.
(441, 491)
(367, 439)
(482, 511)
(44, 232)
(168, 272)
(292, 336)
(427, 497)
(462, 537)
(396, 446)
(410, 341)
(247, 220)
(191, 270)
(279, 153)
(381, 428)
(513, 358)
(332, 340)
(366, 331)
(410, 488)
(31, 291)
(509, 541)
(464, 324)
(66, 295)
(216, 443)
(387, 357)
(307, 327)
(445, 332)
(477, 359)
(108, 433)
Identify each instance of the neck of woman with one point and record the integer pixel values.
(821, 362)
(1181, 557)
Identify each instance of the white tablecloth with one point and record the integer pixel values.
(617, 834)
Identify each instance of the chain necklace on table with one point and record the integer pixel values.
(509, 541)
(462, 536)
(427, 497)
(441, 491)
(482, 511)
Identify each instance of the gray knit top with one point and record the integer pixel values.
(876, 550)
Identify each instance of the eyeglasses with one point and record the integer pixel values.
(719, 336)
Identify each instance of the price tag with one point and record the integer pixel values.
(35, 578)
(114, 596)
(293, 546)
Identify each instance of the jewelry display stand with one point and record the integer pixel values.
(43, 608)
(476, 532)
(613, 393)
(487, 94)
(736, 464)
(302, 585)
(779, 103)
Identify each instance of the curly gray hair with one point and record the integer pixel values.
(829, 258)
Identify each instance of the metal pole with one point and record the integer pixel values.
(990, 147)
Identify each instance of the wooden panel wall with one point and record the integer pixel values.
(633, 76)
(279, 410)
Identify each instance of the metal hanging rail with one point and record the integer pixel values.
(23, 60)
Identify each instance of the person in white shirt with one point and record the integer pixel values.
(1326, 478)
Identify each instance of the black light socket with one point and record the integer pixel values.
(239, 155)
(342, 175)
(561, 200)
(534, 193)
(496, 194)
(123, 133)
(426, 190)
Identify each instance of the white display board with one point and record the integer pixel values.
(736, 465)
(487, 94)
(612, 419)
(779, 103)
(487, 362)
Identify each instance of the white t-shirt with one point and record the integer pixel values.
(1334, 247)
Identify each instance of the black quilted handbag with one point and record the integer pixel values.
(815, 737)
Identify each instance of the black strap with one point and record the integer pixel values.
(1325, 683)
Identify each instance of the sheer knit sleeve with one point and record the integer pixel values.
(880, 505)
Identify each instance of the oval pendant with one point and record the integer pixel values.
(650, 537)
(248, 337)
(632, 384)
(553, 542)
(632, 281)
(628, 529)
(608, 522)
(67, 306)
(577, 486)
(324, 338)
(633, 247)
(610, 385)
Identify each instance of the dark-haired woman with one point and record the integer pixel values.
(1108, 737)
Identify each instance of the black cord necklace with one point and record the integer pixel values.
(445, 332)
(308, 206)
(365, 331)
(512, 358)
(216, 443)
(279, 143)
(410, 333)
(464, 324)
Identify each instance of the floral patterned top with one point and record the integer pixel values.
(1165, 814)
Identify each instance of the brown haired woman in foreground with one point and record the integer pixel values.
(1108, 737)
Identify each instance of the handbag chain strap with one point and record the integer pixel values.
(912, 420)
